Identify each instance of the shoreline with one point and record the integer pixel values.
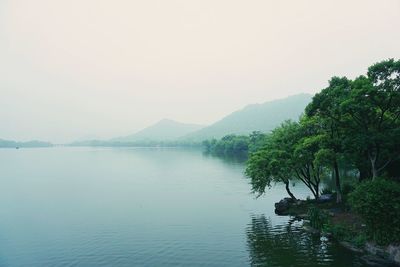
(341, 225)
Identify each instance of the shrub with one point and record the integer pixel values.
(317, 218)
(378, 203)
(345, 232)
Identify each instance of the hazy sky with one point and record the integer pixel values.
(71, 69)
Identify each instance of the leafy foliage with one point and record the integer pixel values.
(231, 145)
(289, 152)
(273, 162)
(378, 202)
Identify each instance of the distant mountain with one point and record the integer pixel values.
(164, 130)
(257, 117)
(34, 143)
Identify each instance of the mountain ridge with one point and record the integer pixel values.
(262, 117)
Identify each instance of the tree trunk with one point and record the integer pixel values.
(317, 191)
(337, 182)
(288, 191)
(373, 168)
(373, 157)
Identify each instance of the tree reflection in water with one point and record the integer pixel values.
(288, 245)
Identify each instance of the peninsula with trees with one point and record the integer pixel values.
(349, 133)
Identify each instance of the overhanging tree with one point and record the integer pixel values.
(288, 154)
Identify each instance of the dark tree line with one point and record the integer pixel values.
(231, 145)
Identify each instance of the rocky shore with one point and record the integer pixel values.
(338, 217)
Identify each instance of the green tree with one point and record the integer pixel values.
(373, 110)
(325, 108)
(289, 152)
(256, 140)
(306, 163)
(273, 162)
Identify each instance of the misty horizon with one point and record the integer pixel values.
(75, 70)
(161, 121)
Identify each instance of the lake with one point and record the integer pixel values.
(67, 206)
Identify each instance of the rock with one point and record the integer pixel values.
(375, 250)
(375, 261)
(325, 198)
(301, 216)
(282, 206)
(328, 235)
(389, 254)
(299, 202)
(350, 247)
(394, 253)
(310, 229)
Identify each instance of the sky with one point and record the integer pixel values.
(76, 69)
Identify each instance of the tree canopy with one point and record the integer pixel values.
(353, 121)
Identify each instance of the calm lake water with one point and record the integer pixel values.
(145, 207)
